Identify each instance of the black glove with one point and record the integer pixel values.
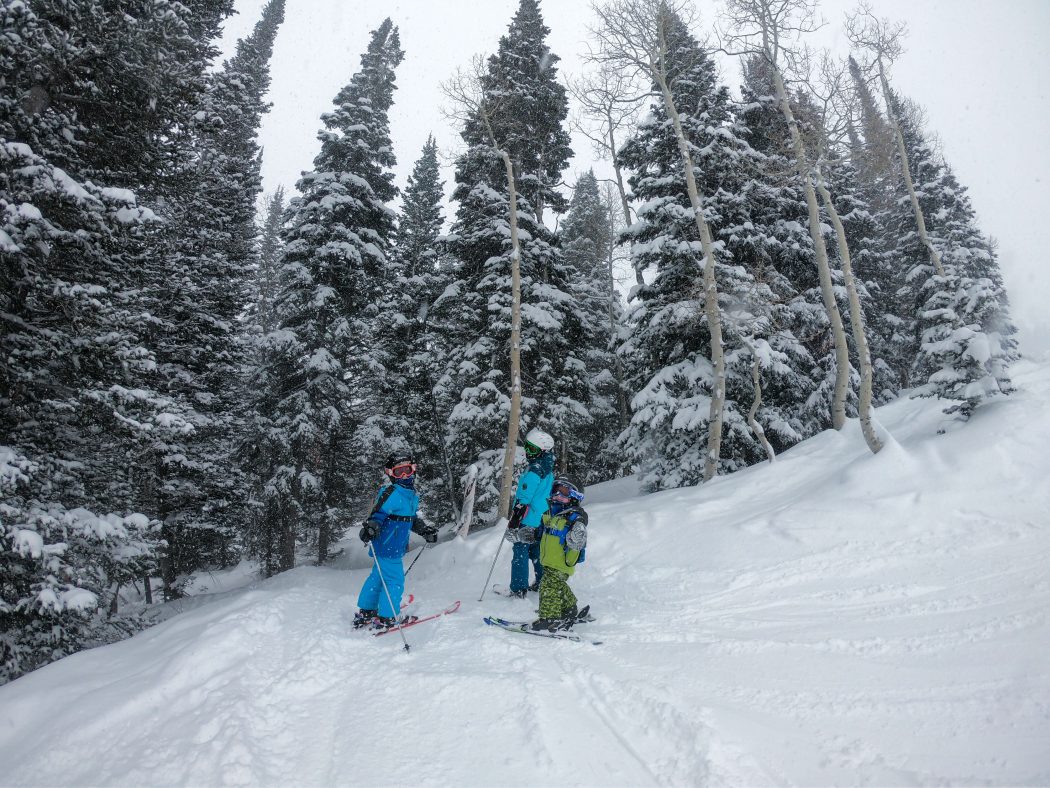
(428, 532)
(517, 515)
(369, 531)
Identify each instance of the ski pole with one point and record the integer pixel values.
(491, 568)
(375, 560)
(421, 549)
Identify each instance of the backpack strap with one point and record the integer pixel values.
(383, 498)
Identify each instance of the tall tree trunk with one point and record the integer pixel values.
(838, 400)
(621, 398)
(920, 219)
(515, 342)
(624, 203)
(323, 536)
(856, 318)
(287, 560)
(714, 323)
(756, 380)
(450, 478)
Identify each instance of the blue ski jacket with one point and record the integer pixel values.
(395, 518)
(534, 488)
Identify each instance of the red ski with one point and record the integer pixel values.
(451, 609)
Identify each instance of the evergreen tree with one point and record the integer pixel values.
(264, 282)
(668, 346)
(588, 239)
(93, 101)
(532, 108)
(419, 273)
(958, 342)
(319, 366)
(475, 309)
(263, 528)
(202, 291)
(873, 149)
(784, 254)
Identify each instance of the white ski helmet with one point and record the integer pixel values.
(537, 442)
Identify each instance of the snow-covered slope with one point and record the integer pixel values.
(836, 618)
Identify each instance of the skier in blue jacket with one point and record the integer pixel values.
(386, 531)
(530, 504)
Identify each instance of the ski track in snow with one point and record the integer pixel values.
(835, 618)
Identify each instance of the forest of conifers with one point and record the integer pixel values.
(187, 380)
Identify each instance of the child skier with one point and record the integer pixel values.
(530, 503)
(386, 532)
(562, 538)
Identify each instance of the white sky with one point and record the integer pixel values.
(979, 68)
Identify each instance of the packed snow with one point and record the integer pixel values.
(835, 618)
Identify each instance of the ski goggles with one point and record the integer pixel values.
(402, 470)
(562, 493)
(532, 451)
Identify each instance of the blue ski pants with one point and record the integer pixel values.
(373, 597)
(519, 565)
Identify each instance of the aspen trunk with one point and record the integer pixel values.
(920, 220)
(620, 187)
(515, 342)
(856, 318)
(711, 309)
(621, 399)
(838, 401)
(756, 428)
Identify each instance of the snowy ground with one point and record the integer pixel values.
(835, 619)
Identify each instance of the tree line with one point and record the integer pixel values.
(184, 384)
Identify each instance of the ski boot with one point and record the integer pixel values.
(522, 594)
(364, 618)
(544, 625)
(383, 622)
(535, 586)
(554, 624)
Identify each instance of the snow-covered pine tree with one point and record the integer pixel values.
(413, 349)
(92, 99)
(873, 152)
(532, 109)
(869, 256)
(588, 238)
(262, 318)
(768, 30)
(784, 252)
(667, 351)
(320, 365)
(959, 342)
(867, 192)
(476, 307)
(262, 527)
(203, 289)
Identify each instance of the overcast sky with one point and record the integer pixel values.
(980, 68)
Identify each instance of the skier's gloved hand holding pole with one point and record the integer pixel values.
(369, 531)
(517, 515)
(428, 532)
